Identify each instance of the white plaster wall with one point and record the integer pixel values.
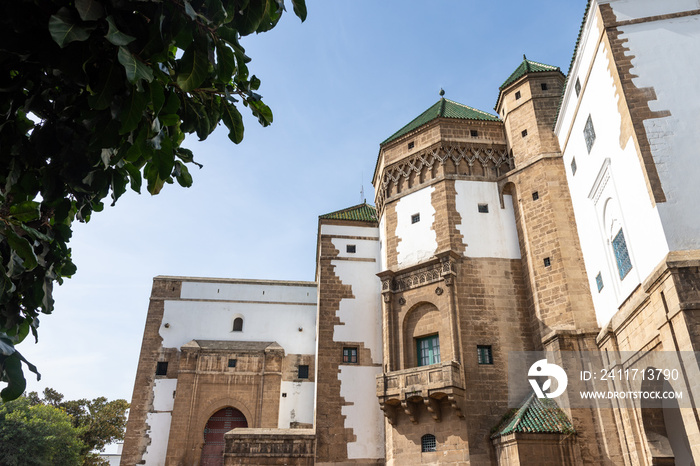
(360, 315)
(210, 320)
(298, 405)
(158, 432)
(633, 9)
(417, 241)
(344, 230)
(164, 394)
(640, 219)
(364, 415)
(258, 291)
(382, 243)
(666, 58)
(491, 234)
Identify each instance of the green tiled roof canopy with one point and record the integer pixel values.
(527, 66)
(359, 213)
(443, 108)
(537, 416)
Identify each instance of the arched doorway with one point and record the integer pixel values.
(219, 423)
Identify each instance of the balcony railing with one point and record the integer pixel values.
(431, 386)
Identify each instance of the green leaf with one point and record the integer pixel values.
(36, 234)
(12, 374)
(89, 10)
(248, 19)
(194, 66)
(134, 177)
(135, 69)
(115, 36)
(157, 96)
(170, 119)
(164, 159)
(25, 211)
(155, 183)
(64, 29)
(22, 247)
(107, 84)
(226, 62)
(233, 121)
(300, 9)
(261, 111)
(182, 174)
(132, 111)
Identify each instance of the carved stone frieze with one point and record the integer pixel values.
(442, 269)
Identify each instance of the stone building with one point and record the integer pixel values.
(566, 223)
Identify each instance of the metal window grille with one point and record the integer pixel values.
(415, 218)
(483, 208)
(523, 132)
(411, 145)
(622, 256)
(474, 133)
(428, 443)
(484, 354)
(599, 281)
(350, 355)
(547, 262)
(350, 248)
(232, 362)
(535, 195)
(589, 134)
(544, 86)
(517, 95)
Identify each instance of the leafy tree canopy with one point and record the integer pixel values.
(96, 95)
(37, 435)
(98, 421)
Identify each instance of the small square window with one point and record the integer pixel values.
(415, 218)
(474, 133)
(547, 262)
(411, 145)
(303, 372)
(524, 133)
(232, 362)
(573, 166)
(350, 355)
(589, 134)
(162, 368)
(517, 95)
(535, 195)
(483, 208)
(544, 86)
(578, 87)
(484, 354)
(350, 249)
(599, 281)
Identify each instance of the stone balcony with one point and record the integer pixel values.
(431, 386)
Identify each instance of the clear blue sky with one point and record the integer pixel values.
(338, 84)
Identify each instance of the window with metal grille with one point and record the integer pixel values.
(162, 368)
(303, 372)
(483, 208)
(517, 95)
(622, 256)
(415, 218)
(535, 195)
(238, 324)
(428, 350)
(599, 281)
(544, 86)
(523, 133)
(474, 133)
(411, 145)
(232, 362)
(547, 262)
(589, 134)
(578, 87)
(350, 355)
(484, 354)
(573, 166)
(350, 248)
(428, 443)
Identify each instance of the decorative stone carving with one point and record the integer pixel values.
(402, 300)
(439, 291)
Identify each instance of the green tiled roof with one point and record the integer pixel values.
(540, 416)
(527, 66)
(359, 213)
(443, 108)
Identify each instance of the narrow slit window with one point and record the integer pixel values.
(573, 166)
(599, 281)
(303, 372)
(577, 88)
(589, 134)
(517, 95)
(238, 324)
(162, 368)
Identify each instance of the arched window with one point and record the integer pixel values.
(238, 324)
(428, 443)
